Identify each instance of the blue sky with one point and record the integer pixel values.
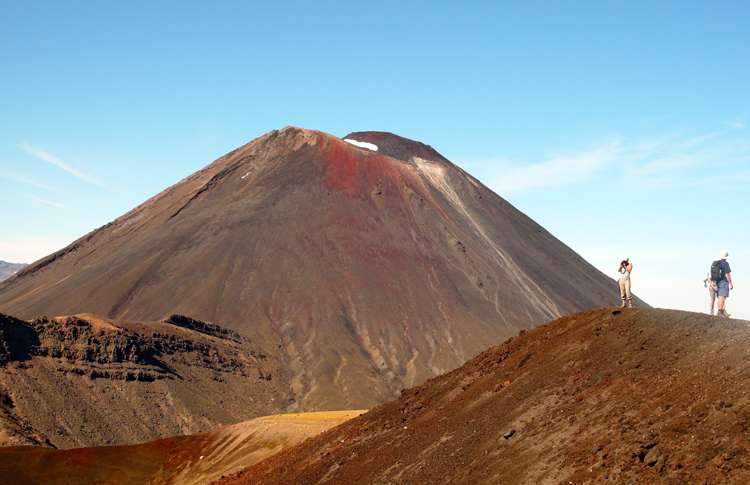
(621, 127)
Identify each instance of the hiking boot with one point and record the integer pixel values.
(623, 304)
(722, 313)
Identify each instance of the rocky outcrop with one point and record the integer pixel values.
(63, 379)
(85, 349)
(17, 338)
(203, 327)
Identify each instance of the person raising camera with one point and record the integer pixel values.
(625, 268)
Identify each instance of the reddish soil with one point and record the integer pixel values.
(604, 396)
(184, 460)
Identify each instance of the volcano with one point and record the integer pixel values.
(366, 264)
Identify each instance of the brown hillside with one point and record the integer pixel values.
(603, 396)
(84, 381)
(184, 460)
(363, 271)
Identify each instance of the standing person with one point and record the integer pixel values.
(721, 280)
(711, 290)
(625, 268)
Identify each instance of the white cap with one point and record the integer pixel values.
(724, 255)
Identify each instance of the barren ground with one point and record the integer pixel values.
(603, 396)
(187, 460)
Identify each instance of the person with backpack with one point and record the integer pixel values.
(625, 268)
(721, 280)
(711, 290)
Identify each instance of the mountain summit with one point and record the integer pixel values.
(366, 264)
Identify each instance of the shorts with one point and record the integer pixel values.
(723, 288)
(712, 292)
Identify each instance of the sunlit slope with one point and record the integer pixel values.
(602, 396)
(185, 460)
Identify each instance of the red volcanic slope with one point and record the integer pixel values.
(363, 271)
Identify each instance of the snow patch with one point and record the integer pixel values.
(362, 144)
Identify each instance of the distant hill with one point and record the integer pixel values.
(9, 269)
(604, 396)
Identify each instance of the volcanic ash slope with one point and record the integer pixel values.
(364, 271)
(603, 396)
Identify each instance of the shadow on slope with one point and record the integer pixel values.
(606, 395)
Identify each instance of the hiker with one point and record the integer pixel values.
(711, 290)
(625, 268)
(721, 281)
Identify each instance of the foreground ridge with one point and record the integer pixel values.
(606, 395)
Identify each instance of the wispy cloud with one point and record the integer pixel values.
(736, 124)
(664, 161)
(47, 202)
(42, 155)
(667, 163)
(559, 170)
(691, 142)
(23, 179)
